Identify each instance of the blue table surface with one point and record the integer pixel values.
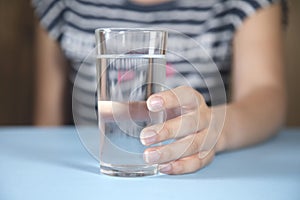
(51, 163)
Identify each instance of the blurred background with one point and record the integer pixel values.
(17, 65)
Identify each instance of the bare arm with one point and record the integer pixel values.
(50, 81)
(258, 108)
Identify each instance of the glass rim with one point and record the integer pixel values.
(103, 30)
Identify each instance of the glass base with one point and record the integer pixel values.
(128, 170)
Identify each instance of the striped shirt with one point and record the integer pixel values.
(199, 44)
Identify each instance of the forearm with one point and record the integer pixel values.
(50, 81)
(48, 104)
(253, 119)
(257, 109)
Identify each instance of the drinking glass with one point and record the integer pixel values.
(131, 65)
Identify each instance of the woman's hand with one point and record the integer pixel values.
(255, 113)
(188, 120)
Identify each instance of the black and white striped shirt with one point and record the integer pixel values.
(206, 32)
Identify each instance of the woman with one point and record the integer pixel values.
(249, 34)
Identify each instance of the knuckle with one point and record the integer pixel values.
(200, 97)
(167, 132)
(203, 119)
(178, 167)
(193, 121)
(157, 127)
(191, 91)
(166, 154)
(201, 102)
(170, 95)
(204, 114)
(188, 91)
(194, 146)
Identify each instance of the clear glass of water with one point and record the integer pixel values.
(131, 65)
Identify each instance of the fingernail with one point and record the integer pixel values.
(151, 156)
(148, 137)
(165, 168)
(155, 104)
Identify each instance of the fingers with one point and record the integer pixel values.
(188, 164)
(189, 127)
(175, 128)
(182, 96)
(193, 120)
(111, 111)
(184, 147)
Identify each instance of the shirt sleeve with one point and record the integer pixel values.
(246, 8)
(51, 14)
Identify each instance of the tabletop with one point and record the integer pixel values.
(51, 163)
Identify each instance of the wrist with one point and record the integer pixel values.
(221, 143)
(219, 122)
